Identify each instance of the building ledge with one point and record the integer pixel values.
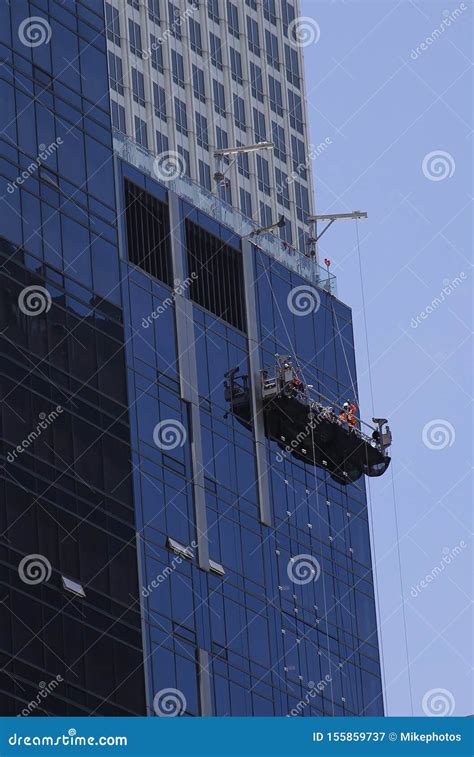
(139, 157)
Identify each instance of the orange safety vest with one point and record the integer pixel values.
(351, 415)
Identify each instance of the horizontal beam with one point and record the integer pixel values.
(338, 216)
(249, 148)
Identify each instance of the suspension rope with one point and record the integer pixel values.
(318, 499)
(344, 351)
(369, 370)
(401, 589)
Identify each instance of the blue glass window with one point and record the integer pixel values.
(198, 84)
(115, 73)
(202, 137)
(195, 36)
(253, 36)
(246, 202)
(118, 116)
(175, 20)
(236, 65)
(141, 132)
(263, 174)
(215, 50)
(239, 112)
(259, 125)
(219, 97)
(177, 65)
(292, 66)
(181, 116)
(135, 38)
(159, 101)
(272, 50)
(138, 87)
(278, 136)
(233, 19)
(204, 174)
(156, 52)
(112, 17)
(283, 190)
(295, 111)
(213, 10)
(256, 81)
(154, 11)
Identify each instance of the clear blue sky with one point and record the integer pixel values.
(385, 107)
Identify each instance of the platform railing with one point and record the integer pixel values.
(322, 407)
(139, 157)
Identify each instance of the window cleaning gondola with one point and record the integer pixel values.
(326, 436)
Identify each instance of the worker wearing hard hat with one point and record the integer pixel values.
(348, 414)
(351, 416)
(343, 415)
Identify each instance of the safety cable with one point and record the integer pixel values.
(338, 331)
(326, 605)
(371, 527)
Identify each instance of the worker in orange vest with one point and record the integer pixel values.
(348, 413)
(351, 416)
(343, 415)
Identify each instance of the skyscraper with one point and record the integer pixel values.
(70, 632)
(167, 546)
(192, 78)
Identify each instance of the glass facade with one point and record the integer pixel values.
(66, 498)
(265, 642)
(163, 528)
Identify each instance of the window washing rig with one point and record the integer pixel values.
(307, 429)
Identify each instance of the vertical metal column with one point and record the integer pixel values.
(188, 375)
(255, 376)
(204, 683)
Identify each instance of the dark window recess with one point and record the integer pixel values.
(148, 241)
(218, 285)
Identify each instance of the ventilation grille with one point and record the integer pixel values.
(218, 285)
(148, 233)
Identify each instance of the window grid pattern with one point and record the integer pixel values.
(147, 225)
(218, 286)
(269, 74)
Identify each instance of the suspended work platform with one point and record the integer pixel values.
(325, 436)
